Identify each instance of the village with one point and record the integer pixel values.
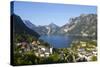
(39, 50)
(84, 51)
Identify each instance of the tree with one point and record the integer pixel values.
(94, 58)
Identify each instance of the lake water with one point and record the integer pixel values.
(63, 41)
(58, 41)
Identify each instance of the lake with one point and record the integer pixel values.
(58, 41)
(63, 41)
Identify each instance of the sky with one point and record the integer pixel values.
(46, 13)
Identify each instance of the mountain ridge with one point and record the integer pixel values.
(20, 28)
(80, 25)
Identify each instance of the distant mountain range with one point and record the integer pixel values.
(50, 29)
(84, 25)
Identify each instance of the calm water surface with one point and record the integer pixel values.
(58, 41)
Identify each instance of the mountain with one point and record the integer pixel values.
(42, 30)
(20, 28)
(52, 29)
(29, 24)
(84, 25)
(66, 28)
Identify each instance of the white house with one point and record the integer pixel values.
(43, 51)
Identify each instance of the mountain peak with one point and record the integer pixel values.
(29, 24)
(52, 24)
